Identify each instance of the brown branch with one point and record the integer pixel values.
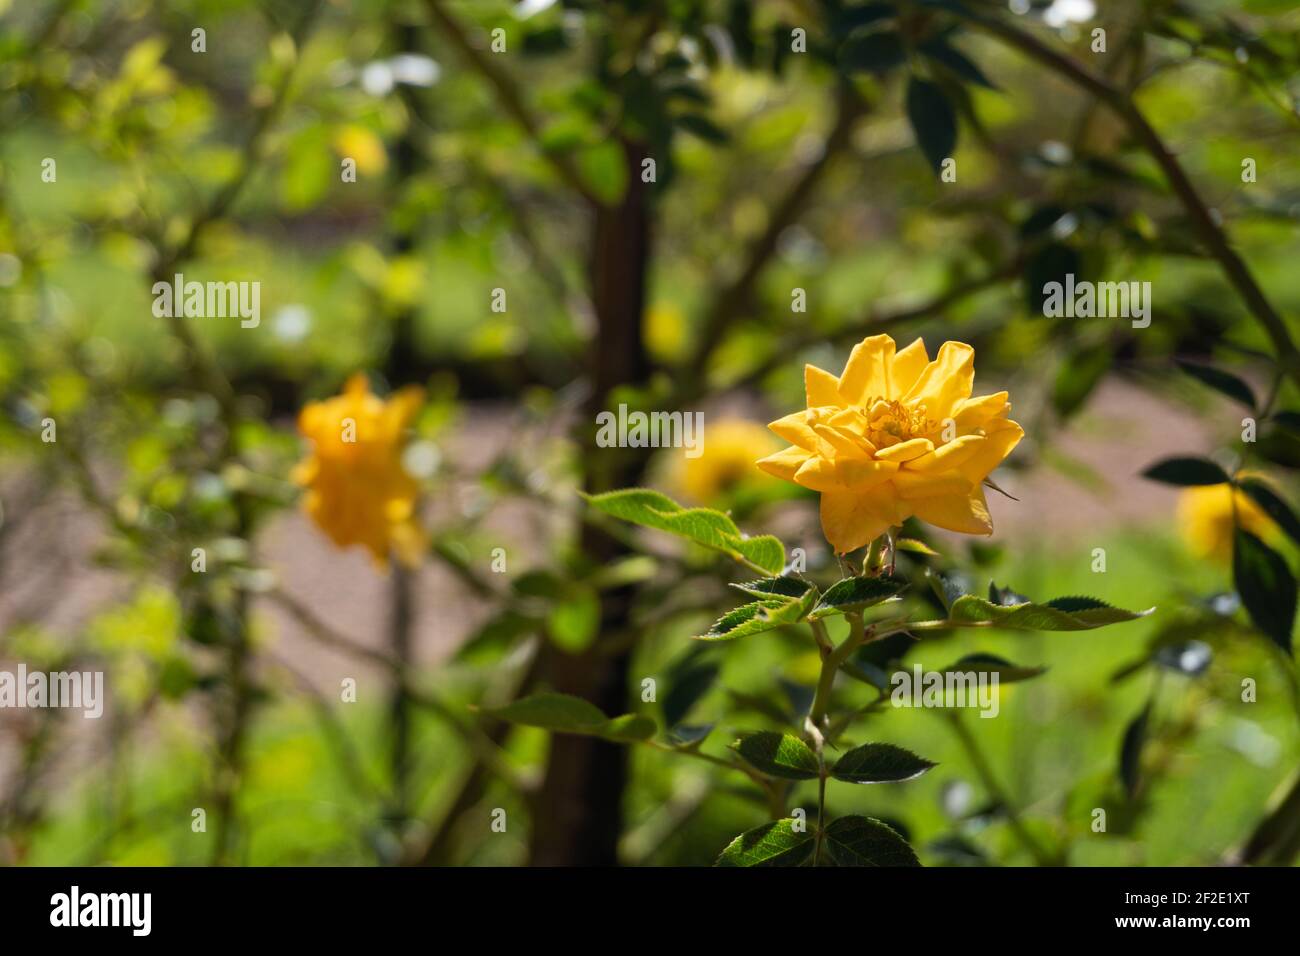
(508, 95)
(735, 297)
(874, 321)
(1209, 230)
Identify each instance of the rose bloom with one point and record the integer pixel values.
(726, 461)
(896, 436)
(357, 490)
(1205, 519)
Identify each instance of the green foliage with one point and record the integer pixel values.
(879, 763)
(778, 755)
(566, 714)
(706, 527)
(856, 594)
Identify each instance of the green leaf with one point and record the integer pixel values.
(703, 127)
(603, 169)
(854, 594)
(689, 736)
(1186, 471)
(628, 728)
(933, 120)
(879, 763)
(685, 687)
(1273, 506)
(915, 547)
(876, 52)
(1008, 673)
(1288, 420)
(574, 621)
(766, 588)
(778, 755)
(772, 844)
(959, 63)
(1130, 751)
(566, 714)
(947, 587)
(1266, 586)
(755, 618)
(1063, 614)
(707, 527)
(1221, 381)
(864, 841)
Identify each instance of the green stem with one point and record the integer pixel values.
(985, 773)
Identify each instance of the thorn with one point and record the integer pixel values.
(993, 484)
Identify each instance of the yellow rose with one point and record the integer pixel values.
(359, 144)
(1205, 519)
(896, 435)
(357, 490)
(725, 463)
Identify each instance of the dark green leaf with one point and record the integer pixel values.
(1186, 471)
(1273, 506)
(1224, 382)
(1266, 586)
(685, 688)
(782, 843)
(778, 755)
(1008, 673)
(938, 50)
(1288, 420)
(847, 19)
(1051, 263)
(774, 587)
(933, 120)
(876, 52)
(863, 841)
(879, 763)
(1130, 752)
(703, 127)
(854, 594)
(947, 587)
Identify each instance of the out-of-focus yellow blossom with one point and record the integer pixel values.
(895, 436)
(665, 330)
(1205, 519)
(726, 461)
(357, 490)
(359, 144)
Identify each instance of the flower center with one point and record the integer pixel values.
(892, 422)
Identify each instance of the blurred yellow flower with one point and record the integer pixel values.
(1205, 519)
(665, 331)
(357, 490)
(726, 461)
(895, 436)
(359, 144)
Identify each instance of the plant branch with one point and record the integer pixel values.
(1205, 222)
(509, 97)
